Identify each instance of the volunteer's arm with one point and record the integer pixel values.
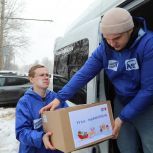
(144, 97)
(88, 71)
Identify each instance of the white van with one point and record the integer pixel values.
(72, 50)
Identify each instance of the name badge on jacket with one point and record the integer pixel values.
(131, 64)
(113, 65)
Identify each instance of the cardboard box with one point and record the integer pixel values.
(79, 126)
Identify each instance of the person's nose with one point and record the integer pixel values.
(46, 76)
(112, 43)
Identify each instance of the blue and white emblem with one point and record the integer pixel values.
(131, 64)
(37, 123)
(113, 65)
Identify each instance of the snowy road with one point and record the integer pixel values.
(8, 143)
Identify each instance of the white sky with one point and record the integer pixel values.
(43, 34)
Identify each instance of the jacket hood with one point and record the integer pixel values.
(32, 93)
(141, 28)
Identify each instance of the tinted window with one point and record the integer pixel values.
(11, 81)
(67, 62)
(57, 80)
(21, 81)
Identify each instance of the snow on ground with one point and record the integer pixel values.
(8, 142)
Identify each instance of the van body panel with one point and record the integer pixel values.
(96, 9)
(87, 27)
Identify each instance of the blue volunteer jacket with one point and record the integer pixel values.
(29, 129)
(130, 71)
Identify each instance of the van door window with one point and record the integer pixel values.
(68, 61)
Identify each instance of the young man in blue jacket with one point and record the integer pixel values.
(126, 55)
(29, 131)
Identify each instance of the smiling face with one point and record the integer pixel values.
(118, 41)
(41, 79)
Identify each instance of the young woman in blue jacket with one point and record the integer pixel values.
(126, 55)
(29, 131)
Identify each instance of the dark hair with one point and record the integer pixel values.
(31, 72)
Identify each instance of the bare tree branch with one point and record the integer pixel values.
(13, 33)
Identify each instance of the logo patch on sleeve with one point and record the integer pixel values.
(37, 123)
(131, 64)
(113, 65)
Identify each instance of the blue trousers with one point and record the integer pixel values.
(137, 133)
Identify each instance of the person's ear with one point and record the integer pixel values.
(31, 79)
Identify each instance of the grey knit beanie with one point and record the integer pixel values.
(116, 20)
